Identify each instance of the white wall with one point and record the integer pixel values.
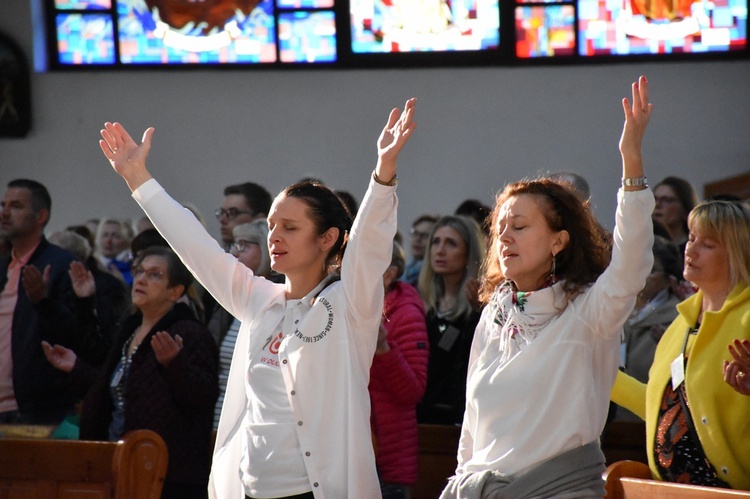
(478, 129)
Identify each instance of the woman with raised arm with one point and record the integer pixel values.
(296, 418)
(546, 350)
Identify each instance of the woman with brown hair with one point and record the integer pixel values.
(546, 350)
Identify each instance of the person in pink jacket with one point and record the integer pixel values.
(398, 377)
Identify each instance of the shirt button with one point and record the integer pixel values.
(704, 420)
(725, 470)
(299, 423)
(315, 484)
(294, 392)
(297, 321)
(307, 453)
(283, 361)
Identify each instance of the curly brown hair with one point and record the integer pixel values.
(583, 259)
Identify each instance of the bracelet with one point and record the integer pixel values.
(393, 181)
(635, 182)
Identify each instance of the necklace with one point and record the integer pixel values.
(135, 340)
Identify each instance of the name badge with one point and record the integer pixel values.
(448, 338)
(678, 372)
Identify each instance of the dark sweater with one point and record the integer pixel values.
(40, 388)
(176, 401)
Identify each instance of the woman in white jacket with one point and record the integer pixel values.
(546, 350)
(295, 420)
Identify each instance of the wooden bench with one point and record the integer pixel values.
(633, 480)
(438, 458)
(133, 468)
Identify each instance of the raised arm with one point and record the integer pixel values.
(127, 158)
(393, 137)
(637, 115)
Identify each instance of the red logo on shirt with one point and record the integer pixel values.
(275, 343)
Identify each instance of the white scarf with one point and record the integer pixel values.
(518, 316)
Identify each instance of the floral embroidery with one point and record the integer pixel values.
(519, 300)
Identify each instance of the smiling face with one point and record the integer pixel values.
(526, 242)
(448, 253)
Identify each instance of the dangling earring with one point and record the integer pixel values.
(552, 278)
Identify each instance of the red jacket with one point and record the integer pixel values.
(397, 382)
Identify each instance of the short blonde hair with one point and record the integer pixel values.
(728, 223)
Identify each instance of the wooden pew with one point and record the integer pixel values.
(133, 468)
(438, 451)
(633, 480)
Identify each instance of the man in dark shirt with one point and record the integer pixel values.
(35, 305)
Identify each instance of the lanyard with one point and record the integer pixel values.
(685, 342)
(680, 363)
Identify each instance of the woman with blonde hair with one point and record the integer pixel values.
(691, 436)
(448, 285)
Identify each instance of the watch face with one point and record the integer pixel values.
(15, 91)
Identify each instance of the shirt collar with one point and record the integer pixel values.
(21, 260)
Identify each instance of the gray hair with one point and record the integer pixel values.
(75, 243)
(256, 232)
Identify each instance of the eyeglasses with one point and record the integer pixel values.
(418, 235)
(151, 274)
(241, 245)
(232, 213)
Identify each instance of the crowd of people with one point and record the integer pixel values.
(307, 343)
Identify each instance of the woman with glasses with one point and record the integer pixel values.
(160, 374)
(296, 418)
(675, 197)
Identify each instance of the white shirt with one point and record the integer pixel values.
(325, 363)
(272, 464)
(553, 396)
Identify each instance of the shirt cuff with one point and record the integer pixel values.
(146, 191)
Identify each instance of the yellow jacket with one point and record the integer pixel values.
(721, 415)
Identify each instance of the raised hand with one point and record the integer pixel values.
(395, 134)
(637, 115)
(127, 158)
(737, 371)
(35, 283)
(165, 347)
(63, 359)
(82, 280)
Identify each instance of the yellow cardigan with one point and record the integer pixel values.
(721, 415)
